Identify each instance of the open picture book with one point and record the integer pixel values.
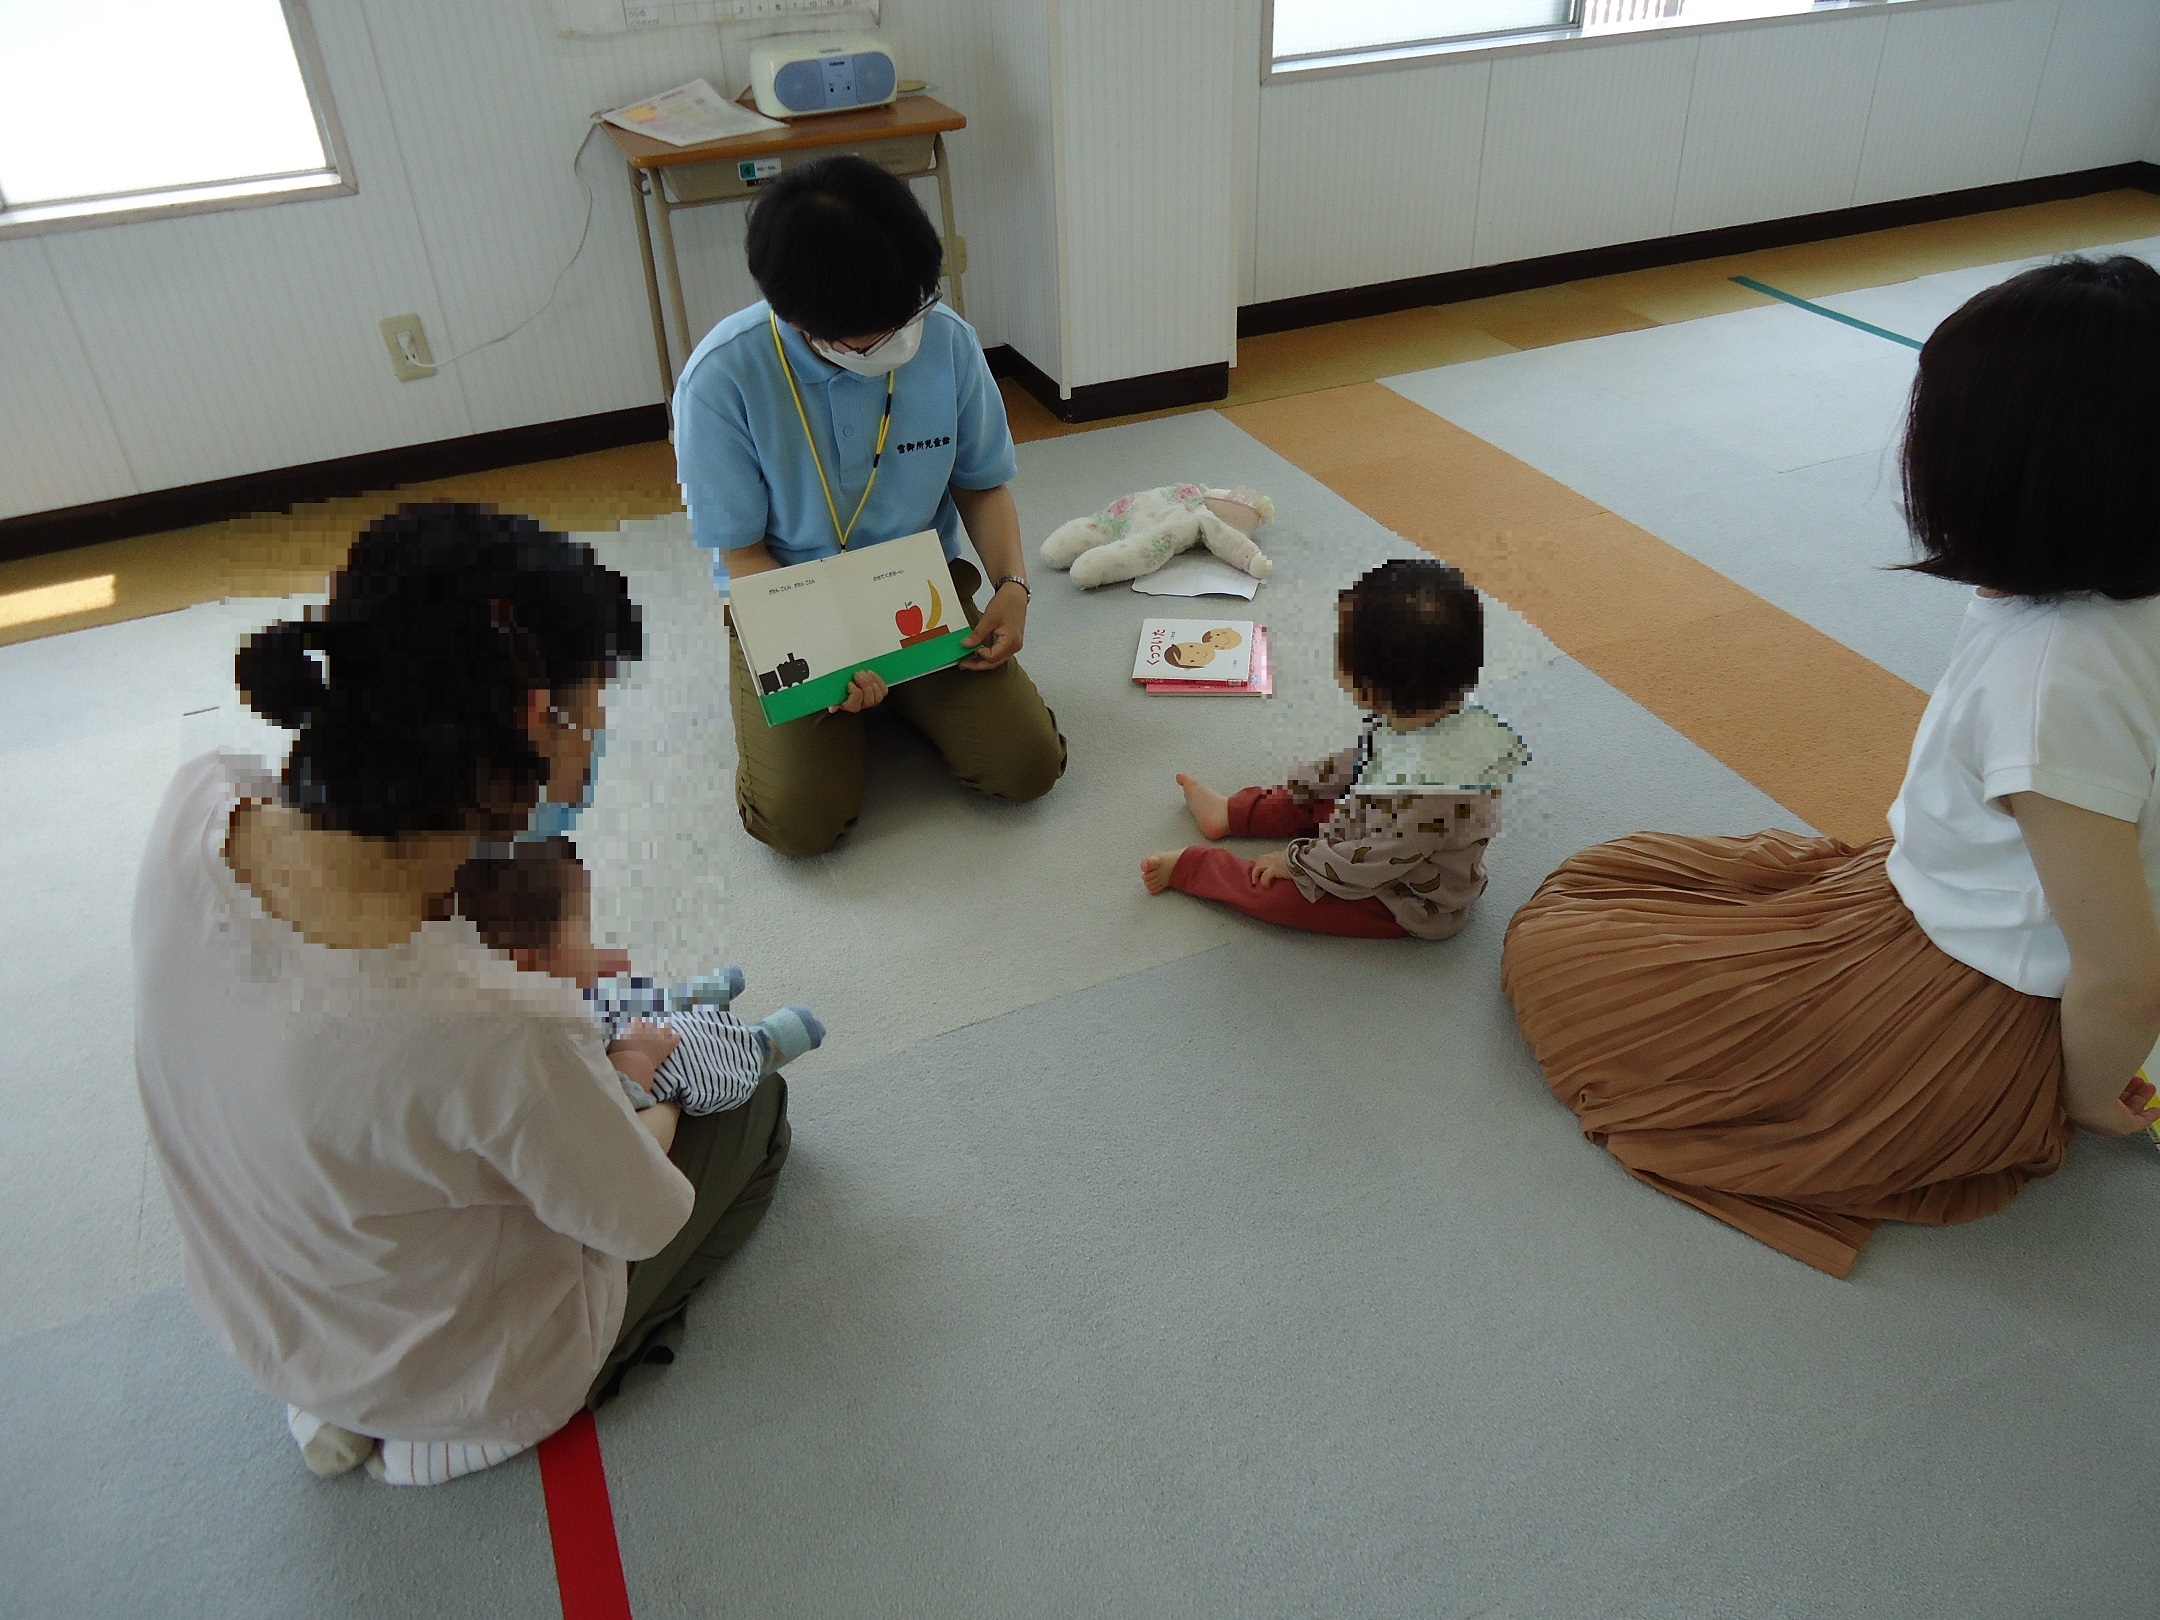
(805, 631)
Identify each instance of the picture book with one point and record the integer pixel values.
(806, 630)
(1218, 651)
(1259, 683)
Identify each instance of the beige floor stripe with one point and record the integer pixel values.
(1819, 728)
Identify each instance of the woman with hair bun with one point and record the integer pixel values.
(413, 1200)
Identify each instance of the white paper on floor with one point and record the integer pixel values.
(1197, 573)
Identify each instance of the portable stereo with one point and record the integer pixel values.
(799, 74)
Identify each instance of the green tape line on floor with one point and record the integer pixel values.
(1798, 302)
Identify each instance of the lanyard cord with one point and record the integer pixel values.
(884, 427)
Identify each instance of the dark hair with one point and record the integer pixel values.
(409, 689)
(2032, 445)
(518, 895)
(842, 249)
(1411, 635)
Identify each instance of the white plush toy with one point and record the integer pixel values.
(1137, 534)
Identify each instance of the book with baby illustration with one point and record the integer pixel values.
(1196, 656)
(806, 630)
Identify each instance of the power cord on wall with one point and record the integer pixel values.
(584, 231)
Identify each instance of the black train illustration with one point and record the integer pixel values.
(792, 671)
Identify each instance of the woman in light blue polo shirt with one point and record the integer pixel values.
(847, 408)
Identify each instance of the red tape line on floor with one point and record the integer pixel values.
(581, 1523)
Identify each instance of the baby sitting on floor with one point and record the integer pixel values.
(1389, 835)
(533, 903)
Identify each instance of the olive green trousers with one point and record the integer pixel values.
(733, 1159)
(799, 786)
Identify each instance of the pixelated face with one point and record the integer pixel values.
(563, 732)
(1223, 637)
(571, 954)
(1189, 654)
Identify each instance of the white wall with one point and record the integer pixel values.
(1122, 186)
(1148, 206)
(141, 357)
(1379, 176)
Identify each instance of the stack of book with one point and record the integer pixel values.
(1223, 657)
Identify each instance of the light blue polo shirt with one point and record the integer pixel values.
(747, 474)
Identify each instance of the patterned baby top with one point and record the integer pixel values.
(1413, 813)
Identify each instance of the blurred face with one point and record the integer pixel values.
(562, 726)
(571, 954)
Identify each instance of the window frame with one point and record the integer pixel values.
(337, 179)
(1478, 47)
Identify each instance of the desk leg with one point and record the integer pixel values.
(952, 235)
(668, 263)
(652, 285)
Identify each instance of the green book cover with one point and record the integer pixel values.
(806, 630)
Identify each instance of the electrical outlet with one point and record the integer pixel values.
(410, 356)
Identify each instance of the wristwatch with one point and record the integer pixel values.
(1004, 580)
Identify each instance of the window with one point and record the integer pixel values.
(1310, 35)
(123, 109)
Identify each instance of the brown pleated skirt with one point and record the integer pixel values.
(1759, 1027)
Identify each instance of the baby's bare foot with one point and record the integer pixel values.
(1155, 870)
(1210, 810)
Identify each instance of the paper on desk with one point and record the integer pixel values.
(1197, 573)
(689, 115)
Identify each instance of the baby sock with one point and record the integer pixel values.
(789, 1033)
(434, 1462)
(327, 1449)
(707, 990)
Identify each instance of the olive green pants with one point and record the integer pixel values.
(799, 786)
(733, 1159)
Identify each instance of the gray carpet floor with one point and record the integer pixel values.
(1134, 1259)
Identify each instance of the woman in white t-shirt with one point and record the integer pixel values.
(409, 1188)
(1804, 1039)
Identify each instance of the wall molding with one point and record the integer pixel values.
(1484, 281)
(1123, 396)
(280, 489)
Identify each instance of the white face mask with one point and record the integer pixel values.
(889, 355)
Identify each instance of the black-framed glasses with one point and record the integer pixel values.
(927, 306)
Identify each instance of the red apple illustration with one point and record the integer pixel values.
(909, 619)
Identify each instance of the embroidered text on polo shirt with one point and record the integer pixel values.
(922, 444)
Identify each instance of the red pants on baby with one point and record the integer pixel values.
(1216, 874)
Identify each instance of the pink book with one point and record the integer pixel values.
(1259, 682)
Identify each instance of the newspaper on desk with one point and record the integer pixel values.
(690, 115)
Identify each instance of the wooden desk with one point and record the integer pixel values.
(906, 138)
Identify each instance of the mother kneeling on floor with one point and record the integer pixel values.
(413, 1201)
(1804, 1039)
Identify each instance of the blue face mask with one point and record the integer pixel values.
(551, 818)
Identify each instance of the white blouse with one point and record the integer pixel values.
(407, 1181)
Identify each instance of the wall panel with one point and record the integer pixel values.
(1144, 117)
(1776, 120)
(1368, 178)
(58, 446)
(1013, 232)
(487, 104)
(2100, 91)
(1582, 147)
(1955, 97)
(229, 343)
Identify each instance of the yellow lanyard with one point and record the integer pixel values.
(809, 438)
